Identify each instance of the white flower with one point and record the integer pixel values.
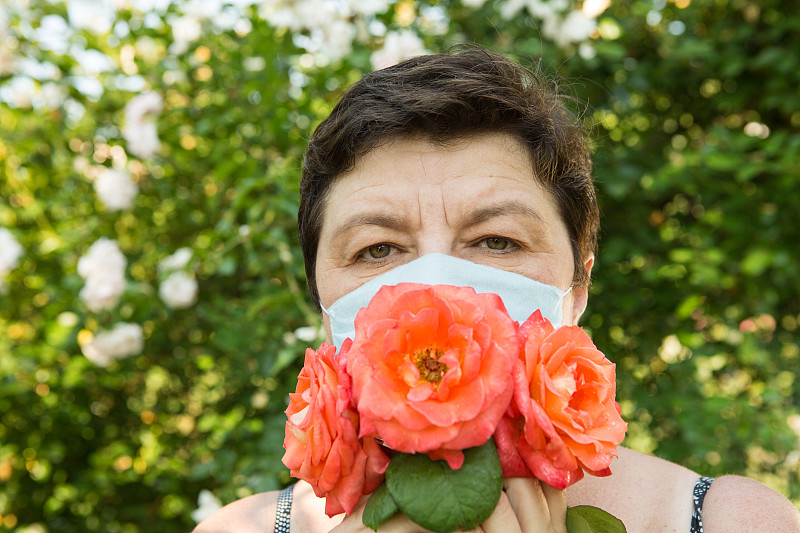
(97, 17)
(103, 257)
(123, 340)
(142, 138)
(207, 504)
(140, 131)
(511, 7)
(179, 290)
(102, 292)
(474, 4)
(574, 28)
(103, 268)
(185, 30)
(322, 27)
(543, 10)
(176, 261)
(369, 7)
(18, 92)
(116, 189)
(10, 251)
(149, 103)
(306, 333)
(396, 47)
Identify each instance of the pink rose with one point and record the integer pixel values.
(322, 443)
(563, 419)
(430, 366)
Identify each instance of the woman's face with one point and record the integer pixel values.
(476, 200)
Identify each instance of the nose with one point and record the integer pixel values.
(438, 241)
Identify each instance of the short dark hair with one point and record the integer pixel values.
(449, 97)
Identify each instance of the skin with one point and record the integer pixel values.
(478, 200)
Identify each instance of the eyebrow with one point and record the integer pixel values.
(473, 218)
(383, 220)
(511, 207)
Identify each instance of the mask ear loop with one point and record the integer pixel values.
(329, 313)
(561, 303)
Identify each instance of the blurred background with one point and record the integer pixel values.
(153, 308)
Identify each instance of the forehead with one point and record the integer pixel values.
(462, 172)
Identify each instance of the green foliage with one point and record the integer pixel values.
(587, 519)
(696, 292)
(441, 499)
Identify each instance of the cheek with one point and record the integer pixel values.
(331, 283)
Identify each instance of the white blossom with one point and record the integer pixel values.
(103, 268)
(574, 28)
(306, 333)
(322, 27)
(207, 504)
(396, 47)
(368, 7)
(179, 290)
(510, 8)
(176, 261)
(140, 131)
(474, 4)
(103, 256)
(142, 138)
(544, 10)
(335, 38)
(93, 15)
(185, 30)
(18, 92)
(10, 251)
(116, 189)
(102, 292)
(123, 340)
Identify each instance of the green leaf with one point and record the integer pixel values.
(441, 499)
(380, 508)
(588, 519)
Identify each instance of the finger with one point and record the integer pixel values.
(529, 504)
(503, 519)
(399, 523)
(557, 503)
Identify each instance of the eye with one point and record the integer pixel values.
(377, 251)
(497, 243)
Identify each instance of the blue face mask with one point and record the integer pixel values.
(520, 294)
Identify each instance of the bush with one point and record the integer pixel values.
(176, 135)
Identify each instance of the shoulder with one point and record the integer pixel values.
(645, 492)
(254, 514)
(738, 504)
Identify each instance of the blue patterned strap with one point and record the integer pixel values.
(699, 494)
(284, 510)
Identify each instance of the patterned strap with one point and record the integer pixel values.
(699, 494)
(284, 510)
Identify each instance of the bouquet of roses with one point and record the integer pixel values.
(440, 396)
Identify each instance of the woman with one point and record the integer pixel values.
(470, 156)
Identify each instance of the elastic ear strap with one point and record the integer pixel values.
(328, 312)
(565, 293)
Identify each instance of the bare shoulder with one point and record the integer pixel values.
(645, 492)
(651, 494)
(253, 514)
(256, 514)
(738, 504)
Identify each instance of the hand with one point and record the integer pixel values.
(525, 506)
(536, 505)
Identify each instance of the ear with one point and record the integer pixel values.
(580, 295)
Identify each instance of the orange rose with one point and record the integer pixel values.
(564, 418)
(321, 442)
(430, 366)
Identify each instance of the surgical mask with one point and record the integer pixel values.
(521, 295)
